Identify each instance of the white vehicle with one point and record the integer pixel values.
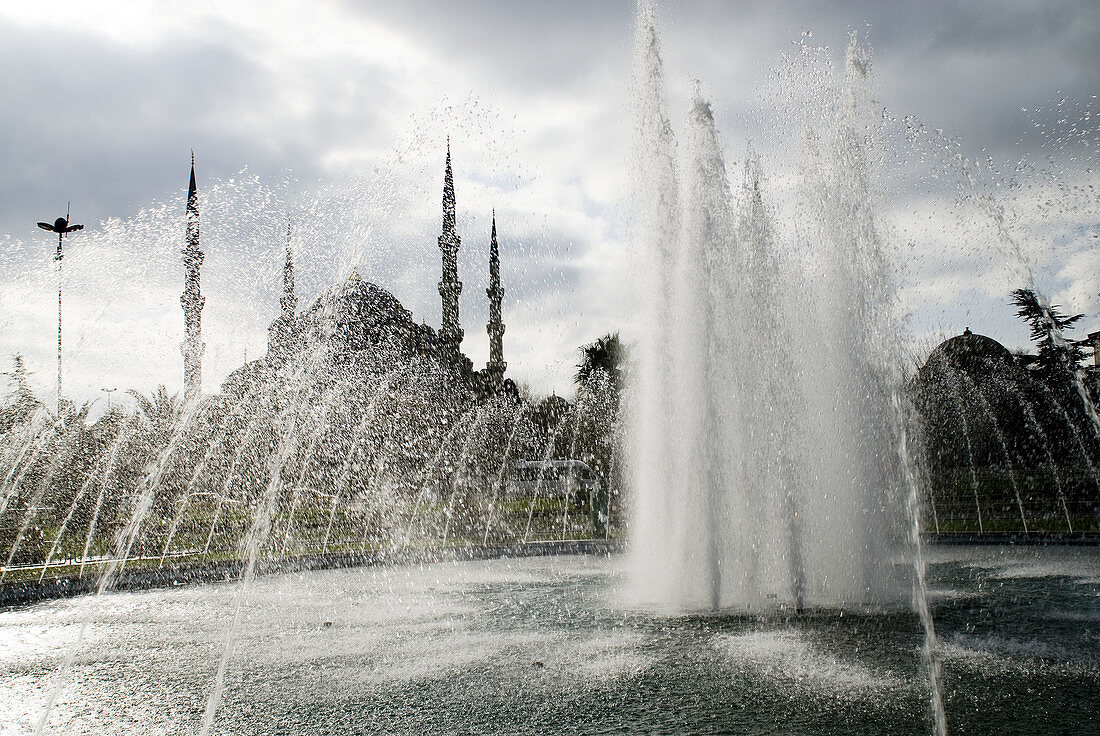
(561, 479)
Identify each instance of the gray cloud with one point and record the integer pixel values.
(355, 98)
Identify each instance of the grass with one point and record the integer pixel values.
(1051, 524)
(303, 535)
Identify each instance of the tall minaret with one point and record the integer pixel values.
(450, 333)
(496, 365)
(282, 336)
(192, 299)
(288, 303)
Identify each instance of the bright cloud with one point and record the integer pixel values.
(333, 115)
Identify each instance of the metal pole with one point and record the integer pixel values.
(60, 239)
(60, 226)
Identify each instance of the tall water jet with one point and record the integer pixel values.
(707, 394)
(770, 398)
(759, 484)
(856, 509)
(656, 215)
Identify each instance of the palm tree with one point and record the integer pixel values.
(605, 354)
(159, 408)
(600, 377)
(159, 412)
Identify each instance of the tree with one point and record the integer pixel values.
(600, 379)
(552, 418)
(1059, 357)
(21, 403)
(159, 408)
(159, 414)
(1057, 365)
(606, 354)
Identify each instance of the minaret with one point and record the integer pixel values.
(496, 365)
(450, 333)
(288, 303)
(282, 336)
(192, 299)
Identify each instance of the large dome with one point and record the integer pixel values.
(356, 321)
(359, 315)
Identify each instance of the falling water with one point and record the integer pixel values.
(999, 433)
(297, 492)
(199, 468)
(994, 210)
(123, 545)
(253, 425)
(29, 439)
(345, 472)
(255, 541)
(1073, 427)
(1040, 433)
(497, 495)
(23, 462)
(550, 443)
(426, 477)
(739, 523)
(458, 484)
(124, 435)
(736, 508)
(957, 396)
(88, 482)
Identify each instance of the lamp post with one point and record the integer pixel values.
(62, 227)
(108, 391)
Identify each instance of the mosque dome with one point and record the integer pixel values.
(358, 315)
(969, 352)
(972, 354)
(358, 323)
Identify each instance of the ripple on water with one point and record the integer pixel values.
(992, 654)
(792, 660)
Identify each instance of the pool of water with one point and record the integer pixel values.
(552, 646)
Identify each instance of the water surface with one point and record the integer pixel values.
(550, 645)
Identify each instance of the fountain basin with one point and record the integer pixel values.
(147, 573)
(552, 645)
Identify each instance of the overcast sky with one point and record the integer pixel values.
(334, 115)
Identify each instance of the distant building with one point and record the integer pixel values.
(1002, 448)
(192, 299)
(1093, 371)
(358, 315)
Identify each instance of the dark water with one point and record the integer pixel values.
(549, 646)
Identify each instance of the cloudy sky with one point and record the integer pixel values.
(334, 115)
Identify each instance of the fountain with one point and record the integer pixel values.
(337, 541)
(761, 513)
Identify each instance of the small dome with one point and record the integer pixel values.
(969, 351)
